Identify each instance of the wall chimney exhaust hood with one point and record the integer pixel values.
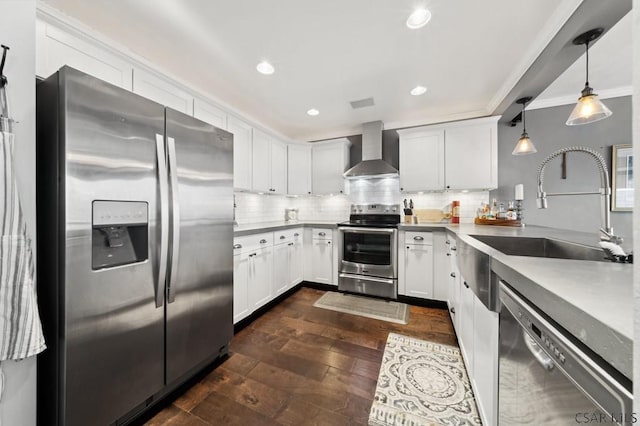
(372, 165)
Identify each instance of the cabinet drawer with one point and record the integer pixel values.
(252, 242)
(322, 234)
(287, 236)
(418, 238)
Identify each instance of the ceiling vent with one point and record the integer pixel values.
(362, 103)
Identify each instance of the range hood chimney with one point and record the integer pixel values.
(372, 164)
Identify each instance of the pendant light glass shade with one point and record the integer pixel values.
(588, 109)
(524, 146)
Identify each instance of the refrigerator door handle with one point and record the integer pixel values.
(175, 240)
(164, 223)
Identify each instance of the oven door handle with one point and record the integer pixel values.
(367, 278)
(384, 231)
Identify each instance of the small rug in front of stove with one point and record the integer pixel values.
(384, 310)
(422, 383)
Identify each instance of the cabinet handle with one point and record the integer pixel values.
(401, 189)
(328, 242)
(296, 235)
(290, 244)
(282, 237)
(448, 254)
(408, 248)
(452, 275)
(466, 285)
(453, 310)
(253, 254)
(237, 246)
(263, 241)
(322, 234)
(448, 187)
(447, 242)
(309, 192)
(418, 238)
(453, 249)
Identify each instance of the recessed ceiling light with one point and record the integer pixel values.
(265, 67)
(418, 90)
(418, 18)
(313, 112)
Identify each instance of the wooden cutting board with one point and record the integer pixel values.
(430, 215)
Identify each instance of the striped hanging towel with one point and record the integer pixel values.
(20, 328)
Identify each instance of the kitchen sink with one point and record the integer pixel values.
(542, 247)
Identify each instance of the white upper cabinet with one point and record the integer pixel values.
(202, 110)
(471, 155)
(242, 158)
(261, 180)
(460, 155)
(330, 159)
(278, 167)
(162, 91)
(299, 169)
(421, 160)
(56, 48)
(269, 164)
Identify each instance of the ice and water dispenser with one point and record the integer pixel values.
(120, 233)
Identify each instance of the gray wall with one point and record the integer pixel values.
(549, 133)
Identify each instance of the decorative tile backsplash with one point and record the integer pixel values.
(255, 208)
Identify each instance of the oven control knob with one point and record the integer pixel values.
(394, 209)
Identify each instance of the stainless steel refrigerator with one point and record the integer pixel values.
(134, 250)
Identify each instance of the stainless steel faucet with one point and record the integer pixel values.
(605, 190)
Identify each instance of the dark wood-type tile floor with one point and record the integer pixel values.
(298, 364)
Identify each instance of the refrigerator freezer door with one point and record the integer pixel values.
(199, 318)
(113, 332)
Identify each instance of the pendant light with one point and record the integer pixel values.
(589, 108)
(524, 145)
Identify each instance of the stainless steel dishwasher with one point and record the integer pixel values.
(547, 379)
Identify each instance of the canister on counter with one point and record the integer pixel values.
(455, 212)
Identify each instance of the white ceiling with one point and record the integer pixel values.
(327, 53)
(610, 65)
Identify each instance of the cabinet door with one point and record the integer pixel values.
(260, 278)
(418, 268)
(322, 265)
(471, 157)
(278, 167)
(298, 170)
(296, 262)
(261, 162)
(328, 167)
(240, 287)
(280, 269)
(56, 48)
(466, 337)
(440, 267)
(209, 114)
(485, 354)
(162, 91)
(422, 161)
(242, 135)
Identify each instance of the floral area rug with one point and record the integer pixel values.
(422, 383)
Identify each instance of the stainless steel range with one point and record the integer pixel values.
(368, 251)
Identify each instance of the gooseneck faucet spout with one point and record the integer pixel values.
(605, 189)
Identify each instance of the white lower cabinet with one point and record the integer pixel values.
(280, 268)
(418, 270)
(321, 258)
(296, 261)
(465, 324)
(485, 356)
(240, 286)
(260, 276)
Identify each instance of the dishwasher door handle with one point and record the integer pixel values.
(543, 359)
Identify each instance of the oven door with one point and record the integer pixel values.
(368, 251)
